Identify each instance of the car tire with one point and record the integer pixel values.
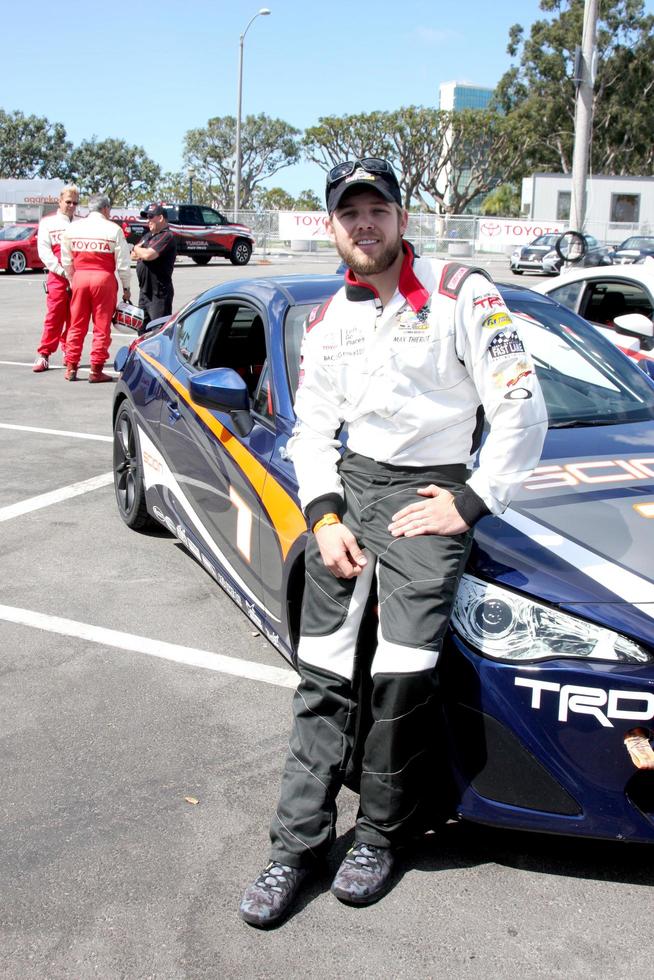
(201, 259)
(128, 471)
(17, 263)
(517, 272)
(241, 252)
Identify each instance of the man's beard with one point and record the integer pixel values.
(368, 265)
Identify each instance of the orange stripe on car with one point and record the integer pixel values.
(286, 516)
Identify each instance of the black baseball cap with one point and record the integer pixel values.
(371, 173)
(154, 211)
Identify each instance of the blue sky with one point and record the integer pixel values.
(148, 70)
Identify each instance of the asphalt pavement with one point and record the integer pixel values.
(143, 726)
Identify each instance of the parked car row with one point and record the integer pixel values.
(542, 255)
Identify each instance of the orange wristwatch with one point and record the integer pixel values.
(325, 520)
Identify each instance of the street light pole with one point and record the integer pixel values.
(191, 175)
(237, 186)
(585, 81)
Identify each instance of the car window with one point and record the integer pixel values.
(262, 402)
(293, 332)
(235, 338)
(189, 332)
(189, 214)
(567, 294)
(585, 379)
(606, 299)
(16, 233)
(211, 217)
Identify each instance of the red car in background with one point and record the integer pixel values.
(18, 250)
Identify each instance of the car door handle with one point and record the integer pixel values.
(174, 415)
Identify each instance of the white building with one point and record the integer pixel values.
(28, 200)
(615, 206)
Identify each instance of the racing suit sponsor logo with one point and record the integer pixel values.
(496, 320)
(595, 701)
(89, 245)
(56, 235)
(505, 345)
(518, 394)
(409, 322)
(514, 381)
(488, 301)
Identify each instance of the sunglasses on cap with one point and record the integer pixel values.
(372, 165)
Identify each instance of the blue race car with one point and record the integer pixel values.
(548, 670)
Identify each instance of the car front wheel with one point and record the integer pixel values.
(17, 263)
(128, 472)
(241, 252)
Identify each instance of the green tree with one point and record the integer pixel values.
(443, 160)
(176, 186)
(267, 146)
(125, 173)
(308, 200)
(503, 202)
(539, 91)
(274, 199)
(32, 146)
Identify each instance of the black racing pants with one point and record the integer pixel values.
(416, 580)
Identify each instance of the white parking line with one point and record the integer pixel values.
(55, 432)
(53, 367)
(152, 648)
(55, 496)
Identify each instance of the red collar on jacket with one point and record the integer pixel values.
(408, 284)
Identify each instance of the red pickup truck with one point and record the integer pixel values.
(201, 233)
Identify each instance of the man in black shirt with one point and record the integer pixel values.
(155, 255)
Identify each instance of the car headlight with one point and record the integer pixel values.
(508, 626)
(516, 253)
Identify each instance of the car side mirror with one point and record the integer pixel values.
(223, 390)
(636, 323)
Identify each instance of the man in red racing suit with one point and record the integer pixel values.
(51, 230)
(92, 254)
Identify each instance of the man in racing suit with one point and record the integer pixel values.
(155, 255)
(410, 355)
(93, 251)
(57, 287)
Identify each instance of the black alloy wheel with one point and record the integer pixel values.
(128, 474)
(241, 252)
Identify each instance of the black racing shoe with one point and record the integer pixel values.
(365, 874)
(271, 894)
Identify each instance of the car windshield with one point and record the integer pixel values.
(549, 240)
(585, 379)
(15, 233)
(638, 243)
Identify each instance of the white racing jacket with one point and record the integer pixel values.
(48, 241)
(413, 382)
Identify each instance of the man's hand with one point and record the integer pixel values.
(435, 515)
(126, 295)
(340, 551)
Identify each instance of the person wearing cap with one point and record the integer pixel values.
(93, 253)
(411, 355)
(155, 258)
